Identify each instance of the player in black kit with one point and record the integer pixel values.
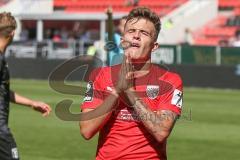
(8, 148)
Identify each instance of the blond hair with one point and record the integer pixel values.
(7, 24)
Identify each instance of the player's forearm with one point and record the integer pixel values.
(93, 120)
(89, 128)
(16, 98)
(159, 123)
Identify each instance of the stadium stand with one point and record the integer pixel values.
(229, 4)
(223, 27)
(2, 2)
(160, 6)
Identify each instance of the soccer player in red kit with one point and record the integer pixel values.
(136, 103)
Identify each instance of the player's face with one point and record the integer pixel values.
(141, 34)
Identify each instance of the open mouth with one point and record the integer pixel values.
(127, 44)
(135, 45)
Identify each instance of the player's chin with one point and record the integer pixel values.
(134, 54)
(140, 59)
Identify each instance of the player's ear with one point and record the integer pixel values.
(155, 46)
(10, 36)
(12, 33)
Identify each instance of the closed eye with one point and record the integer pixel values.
(145, 33)
(131, 30)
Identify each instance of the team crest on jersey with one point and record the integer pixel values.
(89, 92)
(152, 91)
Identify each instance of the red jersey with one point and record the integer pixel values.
(124, 135)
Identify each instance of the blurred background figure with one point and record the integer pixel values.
(132, 2)
(47, 34)
(24, 35)
(64, 33)
(188, 39)
(116, 54)
(56, 36)
(236, 40)
(224, 43)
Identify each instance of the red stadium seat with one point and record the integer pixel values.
(207, 41)
(164, 3)
(220, 32)
(229, 3)
(215, 31)
(219, 21)
(237, 11)
(3, 2)
(159, 6)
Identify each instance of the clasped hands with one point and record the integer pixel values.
(125, 85)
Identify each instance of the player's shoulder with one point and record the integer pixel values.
(106, 69)
(105, 72)
(174, 76)
(167, 74)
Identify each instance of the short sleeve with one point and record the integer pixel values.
(173, 99)
(94, 92)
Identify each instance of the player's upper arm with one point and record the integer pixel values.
(169, 107)
(173, 99)
(94, 92)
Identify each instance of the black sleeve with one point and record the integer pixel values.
(1, 65)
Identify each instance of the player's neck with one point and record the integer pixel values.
(142, 68)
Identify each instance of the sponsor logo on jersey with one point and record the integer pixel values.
(131, 116)
(177, 98)
(128, 115)
(89, 92)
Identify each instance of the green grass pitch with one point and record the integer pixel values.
(208, 130)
